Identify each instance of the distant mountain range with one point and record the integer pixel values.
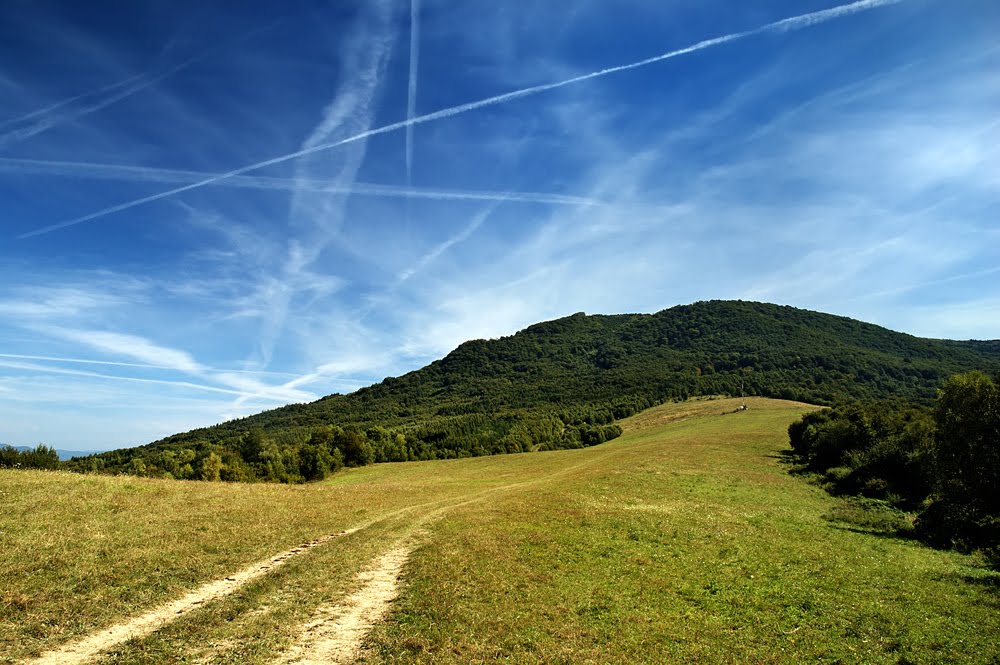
(556, 384)
(63, 454)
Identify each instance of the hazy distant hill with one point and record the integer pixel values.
(559, 383)
(63, 454)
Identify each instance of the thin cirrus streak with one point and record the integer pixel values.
(119, 90)
(934, 282)
(55, 106)
(440, 249)
(783, 25)
(131, 173)
(276, 394)
(47, 121)
(86, 361)
(426, 260)
(411, 89)
(58, 370)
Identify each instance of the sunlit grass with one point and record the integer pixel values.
(690, 543)
(81, 552)
(683, 541)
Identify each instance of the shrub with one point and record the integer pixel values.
(965, 465)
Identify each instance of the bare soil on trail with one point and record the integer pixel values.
(90, 647)
(336, 632)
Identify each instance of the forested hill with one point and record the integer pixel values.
(561, 383)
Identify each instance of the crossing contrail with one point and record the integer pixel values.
(45, 118)
(163, 176)
(55, 106)
(784, 25)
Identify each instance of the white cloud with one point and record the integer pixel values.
(39, 303)
(128, 346)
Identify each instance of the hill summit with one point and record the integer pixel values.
(563, 383)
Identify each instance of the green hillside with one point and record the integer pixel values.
(561, 384)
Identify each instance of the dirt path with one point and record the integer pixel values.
(91, 646)
(335, 632)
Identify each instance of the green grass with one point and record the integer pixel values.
(685, 540)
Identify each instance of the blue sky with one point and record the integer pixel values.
(208, 209)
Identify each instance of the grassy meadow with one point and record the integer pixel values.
(685, 540)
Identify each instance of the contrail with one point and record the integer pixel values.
(85, 361)
(440, 249)
(46, 123)
(411, 92)
(265, 392)
(427, 259)
(316, 220)
(784, 25)
(125, 88)
(132, 173)
(58, 370)
(69, 100)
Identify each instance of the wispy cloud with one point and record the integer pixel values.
(48, 369)
(152, 355)
(440, 249)
(69, 109)
(784, 25)
(316, 218)
(411, 88)
(114, 363)
(44, 302)
(972, 277)
(47, 112)
(129, 346)
(975, 318)
(132, 173)
(55, 314)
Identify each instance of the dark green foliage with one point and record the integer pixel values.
(877, 450)
(316, 459)
(355, 446)
(965, 502)
(943, 462)
(41, 457)
(562, 383)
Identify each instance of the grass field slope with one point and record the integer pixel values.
(683, 540)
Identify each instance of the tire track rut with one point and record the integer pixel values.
(91, 646)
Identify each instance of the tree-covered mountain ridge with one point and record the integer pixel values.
(562, 383)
